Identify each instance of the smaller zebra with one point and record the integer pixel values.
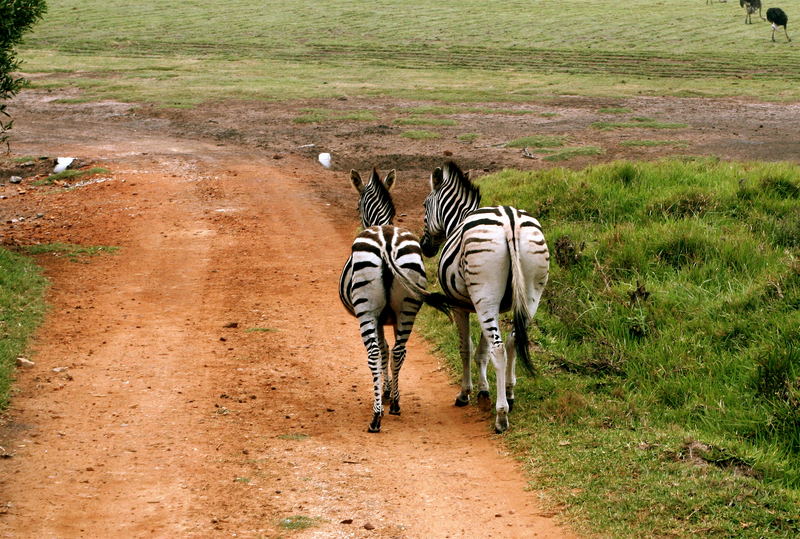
(380, 285)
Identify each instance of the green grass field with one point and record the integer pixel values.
(668, 343)
(181, 53)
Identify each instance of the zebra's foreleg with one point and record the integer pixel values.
(462, 322)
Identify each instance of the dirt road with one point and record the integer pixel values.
(204, 380)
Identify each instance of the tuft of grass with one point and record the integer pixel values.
(568, 153)
(425, 121)
(75, 253)
(293, 436)
(468, 137)
(260, 330)
(71, 175)
(614, 110)
(653, 143)
(420, 134)
(299, 522)
(538, 141)
(638, 123)
(312, 115)
(669, 397)
(22, 308)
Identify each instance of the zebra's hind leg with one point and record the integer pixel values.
(465, 345)
(387, 380)
(398, 357)
(511, 370)
(482, 359)
(374, 343)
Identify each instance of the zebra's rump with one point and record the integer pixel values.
(479, 252)
(367, 283)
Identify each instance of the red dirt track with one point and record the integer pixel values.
(204, 381)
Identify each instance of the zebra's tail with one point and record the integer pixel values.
(519, 300)
(438, 301)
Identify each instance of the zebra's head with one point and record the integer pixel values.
(451, 198)
(375, 204)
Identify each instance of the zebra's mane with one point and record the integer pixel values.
(452, 174)
(379, 198)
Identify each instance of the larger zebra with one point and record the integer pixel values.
(372, 288)
(494, 259)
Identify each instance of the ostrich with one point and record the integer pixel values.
(750, 7)
(777, 17)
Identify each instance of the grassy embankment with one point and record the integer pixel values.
(21, 309)
(668, 345)
(183, 54)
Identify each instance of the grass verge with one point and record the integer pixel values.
(420, 134)
(640, 123)
(71, 175)
(75, 253)
(22, 307)
(669, 397)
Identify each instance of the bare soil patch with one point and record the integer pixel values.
(204, 381)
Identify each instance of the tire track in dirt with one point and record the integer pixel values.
(214, 383)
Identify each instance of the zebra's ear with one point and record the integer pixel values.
(466, 175)
(437, 177)
(388, 181)
(355, 178)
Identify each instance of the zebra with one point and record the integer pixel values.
(494, 259)
(373, 287)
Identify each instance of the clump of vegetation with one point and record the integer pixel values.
(22, 307)
(653, 143)
(669, 400)
(468, 137)
(538, 141)
(614, 110)
(419, 120)
(74, 253)
(16, 18)
(568, 153)
(298, 522)
(640, 123)
(312, 115)
(420, 134)
(71, 175)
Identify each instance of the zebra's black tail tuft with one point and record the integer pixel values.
(440, 302)
(521, 342)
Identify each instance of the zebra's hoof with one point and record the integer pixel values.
(483, 398)
(462, 401)
(394, 407)
(501, 424)
(510, 405)
(375, 426)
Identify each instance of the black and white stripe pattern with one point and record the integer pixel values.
(372, 288)
(494, 259)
